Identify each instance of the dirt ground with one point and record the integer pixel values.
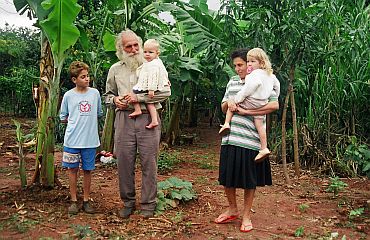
(280, 211)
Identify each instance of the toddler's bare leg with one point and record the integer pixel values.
(225, 129)
(264, 151)
(137, 110)
(153, 115)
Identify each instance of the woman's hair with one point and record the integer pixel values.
(242, 53)
(76, 68)
(119, 47)
(152, 42)
(262, 57)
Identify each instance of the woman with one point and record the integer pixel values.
(239, 148)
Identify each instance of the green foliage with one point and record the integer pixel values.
(167, 161)
(21, 138)
(59, 27)
(358, 156)
(172, 192)
(356, 212)
(83, 231)
(303, 207)
(299, 232)
(336, 185)
(19, 224)
(18, 70)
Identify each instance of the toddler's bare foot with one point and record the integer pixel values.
(152, 125)
(225, 129)
(264, 153)
(135, 114)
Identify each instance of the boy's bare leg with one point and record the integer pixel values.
(264, 151)
(153, 115)
(225, 129)
(86, 206)
(87, 185)
(72, 175)
(137, 110)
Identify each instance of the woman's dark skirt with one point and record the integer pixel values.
(239, 170)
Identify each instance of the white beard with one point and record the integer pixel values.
(133, 61)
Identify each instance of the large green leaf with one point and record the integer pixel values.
(31, 5)
(59, 27)
(109, 42)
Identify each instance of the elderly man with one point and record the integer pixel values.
(131, 136)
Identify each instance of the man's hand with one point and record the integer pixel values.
(120, 102)
(131, 98)
(151, 93)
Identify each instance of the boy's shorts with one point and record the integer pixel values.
(72, 157)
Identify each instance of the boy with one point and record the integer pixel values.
(80, 109)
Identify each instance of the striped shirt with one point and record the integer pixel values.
(243, 133)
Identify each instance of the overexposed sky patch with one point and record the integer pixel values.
(8, 14)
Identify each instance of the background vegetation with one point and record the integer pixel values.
(320, 48)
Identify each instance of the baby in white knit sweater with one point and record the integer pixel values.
(260, 84)
(152, 80)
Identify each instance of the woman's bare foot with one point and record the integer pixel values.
(135, 114)
(227, 216)
(246, 225)
(152, 125)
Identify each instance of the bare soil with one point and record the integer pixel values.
(279, 210)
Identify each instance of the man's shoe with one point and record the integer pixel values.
(126, 212)
(147, 213)
(87, 208)
(73, 209)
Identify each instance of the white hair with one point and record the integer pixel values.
(131, 61)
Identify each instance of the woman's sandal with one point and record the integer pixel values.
(226, 219)
(246, 227)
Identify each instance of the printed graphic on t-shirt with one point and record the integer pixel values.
(84, 107)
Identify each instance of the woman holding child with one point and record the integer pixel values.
(239, 148)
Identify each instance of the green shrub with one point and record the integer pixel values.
(172, 192)
(358, 156)
(166, 162)
(336, 185)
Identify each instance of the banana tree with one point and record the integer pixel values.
(56, 19)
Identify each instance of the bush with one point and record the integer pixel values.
(172, 192)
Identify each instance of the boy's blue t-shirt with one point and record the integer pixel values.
(82, 111)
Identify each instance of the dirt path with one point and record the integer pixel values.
(279, 210)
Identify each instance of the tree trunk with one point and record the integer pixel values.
(107, 138)
(294, 120)
(192, 113)
(173, 130)
(47, 165)
(283, 137)
(46, 74)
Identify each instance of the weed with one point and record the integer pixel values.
(299, 231)
(205, 162)
(336, 186)
(82, 232)
(21, 224)
(167, 161)
(202, 180)
(303, 207)
(179, 216)
(173, 191)
(356, 213)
